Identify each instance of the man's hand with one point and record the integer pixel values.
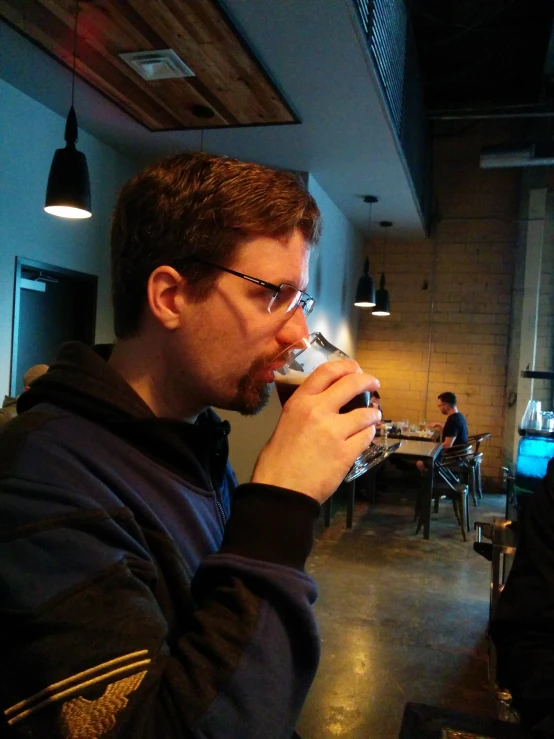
(313, 445)
(437, 426)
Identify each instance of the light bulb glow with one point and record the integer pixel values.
(66, 211)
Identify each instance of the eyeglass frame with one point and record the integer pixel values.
(305, 301)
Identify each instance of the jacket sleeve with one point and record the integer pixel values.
(522, 626)
(89, 652)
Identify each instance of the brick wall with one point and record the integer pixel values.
(450, 295)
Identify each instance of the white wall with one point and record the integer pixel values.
(30, 133)
(334, 271)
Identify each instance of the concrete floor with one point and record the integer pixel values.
(401, 619)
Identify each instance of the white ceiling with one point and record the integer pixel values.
(314, 51)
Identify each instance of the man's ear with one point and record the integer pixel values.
(165, 296)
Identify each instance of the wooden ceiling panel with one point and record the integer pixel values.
(228, 79)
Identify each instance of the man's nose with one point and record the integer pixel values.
(294, 329)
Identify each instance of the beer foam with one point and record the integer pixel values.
(293, 377)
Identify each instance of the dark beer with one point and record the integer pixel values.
(287, 384)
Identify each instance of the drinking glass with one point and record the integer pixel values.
(301, 363)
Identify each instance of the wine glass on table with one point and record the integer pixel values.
(302, 362)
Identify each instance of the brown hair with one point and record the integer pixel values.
(197, 205)
(448, 397)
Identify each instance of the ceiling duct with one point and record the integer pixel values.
(517, 155)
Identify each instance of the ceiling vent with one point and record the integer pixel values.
(163, 64)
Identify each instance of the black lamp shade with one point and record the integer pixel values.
(68, 190)
(365, 294)
(382, 302)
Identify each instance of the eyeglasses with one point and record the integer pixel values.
(286, 298)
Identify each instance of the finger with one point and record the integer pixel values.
(329, 373)
(358, 420)
(344, 392)
(360, 441)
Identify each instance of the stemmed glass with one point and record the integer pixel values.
(316, 350)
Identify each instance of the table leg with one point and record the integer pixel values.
(351, 494)
(427, 500)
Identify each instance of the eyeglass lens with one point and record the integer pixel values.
(288, 298)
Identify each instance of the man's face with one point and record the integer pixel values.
(443, 407)
(229, 342)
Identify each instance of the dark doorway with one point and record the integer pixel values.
(51, 305)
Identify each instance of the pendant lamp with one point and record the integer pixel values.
(382, 301)
(365, 292)
(68, 189)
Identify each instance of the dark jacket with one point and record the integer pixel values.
(522, 627)
(124, 583)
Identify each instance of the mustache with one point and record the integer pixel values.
(270, 360)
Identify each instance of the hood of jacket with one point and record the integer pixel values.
(82, 382)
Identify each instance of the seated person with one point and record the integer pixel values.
(454, 430)
(522, 625)
(9, 406)
(375, 401)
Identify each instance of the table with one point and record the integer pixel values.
(434, 437)
(412, 450)
(427, 452)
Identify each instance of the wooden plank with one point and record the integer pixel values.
(109, 31)
(163, 105)
(242, 89)
(228, 79)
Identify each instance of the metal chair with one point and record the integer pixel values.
(454, 468)
(470, 459)
(450, 456)
(476, 440)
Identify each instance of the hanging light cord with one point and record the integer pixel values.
(74, 52)
(370, 199)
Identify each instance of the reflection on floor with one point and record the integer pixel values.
(401, 619)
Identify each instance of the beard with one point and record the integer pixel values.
(252, 394)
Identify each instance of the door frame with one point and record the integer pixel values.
(49, 270)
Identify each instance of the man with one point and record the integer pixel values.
(143, 593)
(454, 430)
(9, 406)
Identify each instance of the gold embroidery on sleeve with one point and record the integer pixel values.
(84, 719)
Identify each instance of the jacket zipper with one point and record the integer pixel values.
(218, 504)
(220, 507)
